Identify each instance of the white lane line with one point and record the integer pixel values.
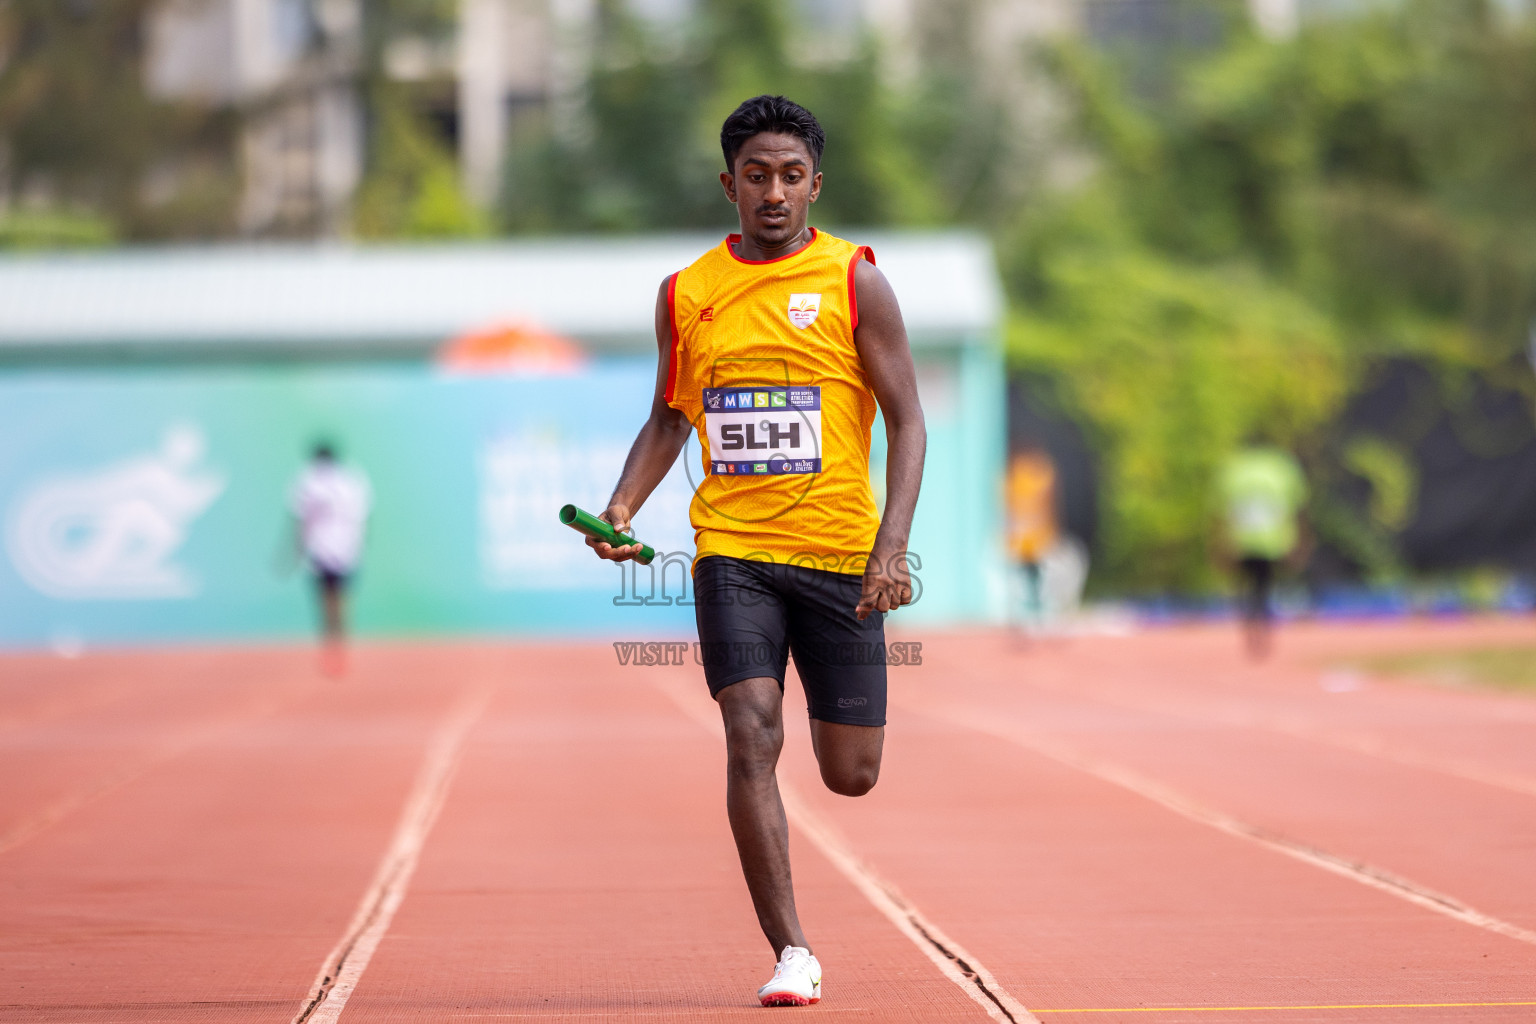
(1372, 746)
(344, 966)
(956, 964)
(1366, 744)
(1357, 871)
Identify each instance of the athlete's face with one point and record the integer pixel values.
(773, 188)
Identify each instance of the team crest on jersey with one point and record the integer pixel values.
(803, 307)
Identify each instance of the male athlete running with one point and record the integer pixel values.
(776, 345)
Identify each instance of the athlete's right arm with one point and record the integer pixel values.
(655, 448)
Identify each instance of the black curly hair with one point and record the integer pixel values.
(770, 114)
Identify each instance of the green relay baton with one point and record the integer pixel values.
(585, 522)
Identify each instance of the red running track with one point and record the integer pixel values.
(1140, 828)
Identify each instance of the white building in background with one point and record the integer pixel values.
(1280, 19)
(291, 68)
(512, 55)
(1277, 19)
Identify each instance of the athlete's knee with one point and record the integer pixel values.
(851, 780)
(753, 756)
(753, 739)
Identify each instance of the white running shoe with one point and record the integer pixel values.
(796, 979)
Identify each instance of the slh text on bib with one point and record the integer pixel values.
(763, 430)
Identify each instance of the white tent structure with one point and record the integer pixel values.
(336, 302)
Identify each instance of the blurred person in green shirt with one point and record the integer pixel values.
(1263, 491)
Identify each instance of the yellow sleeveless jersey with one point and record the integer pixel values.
(764, 366)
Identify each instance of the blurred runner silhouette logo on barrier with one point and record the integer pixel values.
(114, 532)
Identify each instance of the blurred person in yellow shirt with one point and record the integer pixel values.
(1263, 491)
(1032, 530)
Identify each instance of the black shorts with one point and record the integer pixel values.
(331, 581)
(753, 615)
(1258, 582)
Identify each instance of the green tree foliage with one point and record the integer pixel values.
(1172, 367)
(1229, 238)
(647, 145)
(410, 187)
(1250, 244)
(90, 157)
(88, 154)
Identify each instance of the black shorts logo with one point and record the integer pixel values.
(852, 702)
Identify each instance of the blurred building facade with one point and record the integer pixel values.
(292, 69)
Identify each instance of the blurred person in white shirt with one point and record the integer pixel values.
(330, 504)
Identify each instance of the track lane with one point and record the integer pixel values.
(1444, 831)
(583, 870)
(1308, 690)
(1081, 895)
(35, 688)
(210, 887)
(67, 741)
(1165, 912)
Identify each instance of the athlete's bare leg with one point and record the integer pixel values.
(333, 650)
(849, 755)
(333, 604)
(1258, 636)
(753, 710)
(1258, 618)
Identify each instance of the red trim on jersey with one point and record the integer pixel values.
(730, 247)
(863, 252)
(676, 336)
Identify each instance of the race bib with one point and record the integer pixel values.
(763, 430)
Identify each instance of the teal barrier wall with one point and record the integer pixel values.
(149, 506)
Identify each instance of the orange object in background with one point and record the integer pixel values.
(511, 348)
(1031, 505)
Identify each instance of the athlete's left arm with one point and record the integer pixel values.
(881, 339)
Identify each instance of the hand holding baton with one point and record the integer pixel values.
(585, 522)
